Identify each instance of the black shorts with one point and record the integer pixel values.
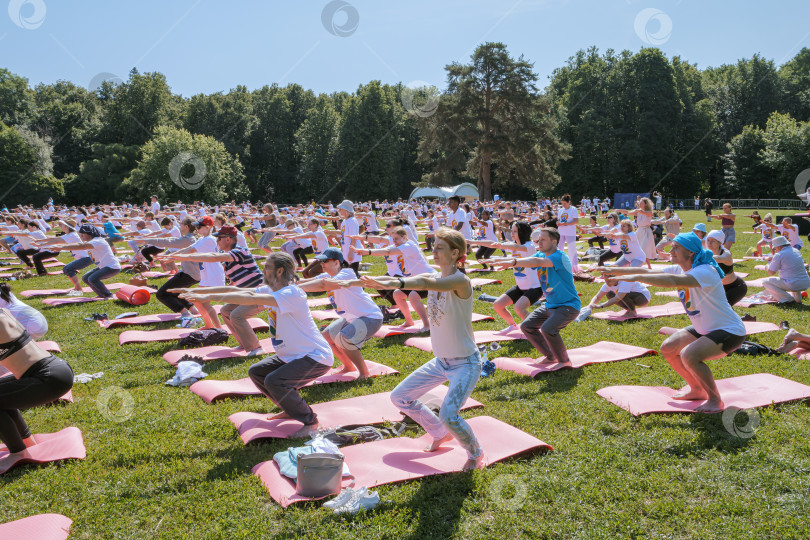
(728, 341)
(516, 293)
(422, 294)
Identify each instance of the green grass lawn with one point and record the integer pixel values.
(176, 468)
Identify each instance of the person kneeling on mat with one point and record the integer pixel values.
(101, 254)
(542, 327)
(716, 329)
(626, 295)
(302, 353)
(359, 318)
(449, 307)
(38, 378)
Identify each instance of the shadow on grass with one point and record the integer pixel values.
(556, 381)
(713, 434)
(438, 503)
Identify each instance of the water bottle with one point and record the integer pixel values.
(487, 367)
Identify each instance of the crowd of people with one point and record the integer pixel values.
(205, 251)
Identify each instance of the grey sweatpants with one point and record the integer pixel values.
(542, 329)
(280, 381)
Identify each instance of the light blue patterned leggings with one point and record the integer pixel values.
(463, 374)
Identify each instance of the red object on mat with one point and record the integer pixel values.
(57, 292)
(751, 327)
(401, 458)
(480, 336)
(746, 392)
(646, 312)
(600, 352)
(368, 409)
(215, 352)
(39, 527)
(210, 390)
(134, 295)
(170, 334)
(64, 444)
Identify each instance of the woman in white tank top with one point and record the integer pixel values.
(457, 360)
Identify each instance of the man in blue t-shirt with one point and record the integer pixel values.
(542, 327)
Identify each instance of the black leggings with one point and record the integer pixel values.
(39, 257)
(24, 253)
(630, 300)
(484, 253)
(597, 239)
(180, 280)
(608, 255)
(735, 291)
(300, 255)
(44, 382)
(150, 251)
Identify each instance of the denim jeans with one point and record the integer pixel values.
(94, 278)
(463, 374)
(634, 263)
(72, 268)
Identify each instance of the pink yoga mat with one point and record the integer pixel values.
(600, 352)
(756, 282)
(156, 275)
(751, 327)
(170, 334)
(39, 527)
(11, 274)
(216, 352)
(211, 391)
(64, 444)
(801, 353)
(480, 336)
(756, 300)
(155, 318)
(744, 392)
(646, 312)
(369, 409)
(56, 302)
(401, 458)
(478, 282)
(56, 292)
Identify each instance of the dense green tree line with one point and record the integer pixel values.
(606, 122)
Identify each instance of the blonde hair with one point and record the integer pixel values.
(455, 240)
(646, 203)
(768, 216)
(628, 223)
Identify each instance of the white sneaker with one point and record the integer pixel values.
(341, 499)
(74, 292)
(361, 500)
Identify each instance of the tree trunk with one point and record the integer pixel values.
(485, 189)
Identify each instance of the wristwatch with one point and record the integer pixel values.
(401, 282)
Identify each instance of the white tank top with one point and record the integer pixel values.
(451, 333)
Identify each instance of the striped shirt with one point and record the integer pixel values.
(242, 270)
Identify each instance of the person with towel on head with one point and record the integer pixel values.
(107, 264)
(716, 329)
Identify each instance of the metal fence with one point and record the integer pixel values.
(689, 204)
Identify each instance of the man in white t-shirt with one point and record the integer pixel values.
(567, 220)
(155, 206)
(301, 352)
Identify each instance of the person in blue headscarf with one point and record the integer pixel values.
(716, 330)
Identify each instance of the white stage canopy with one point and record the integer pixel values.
(466, 191)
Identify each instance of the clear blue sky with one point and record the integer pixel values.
(208, 46)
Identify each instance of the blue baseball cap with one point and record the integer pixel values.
(330, 253)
